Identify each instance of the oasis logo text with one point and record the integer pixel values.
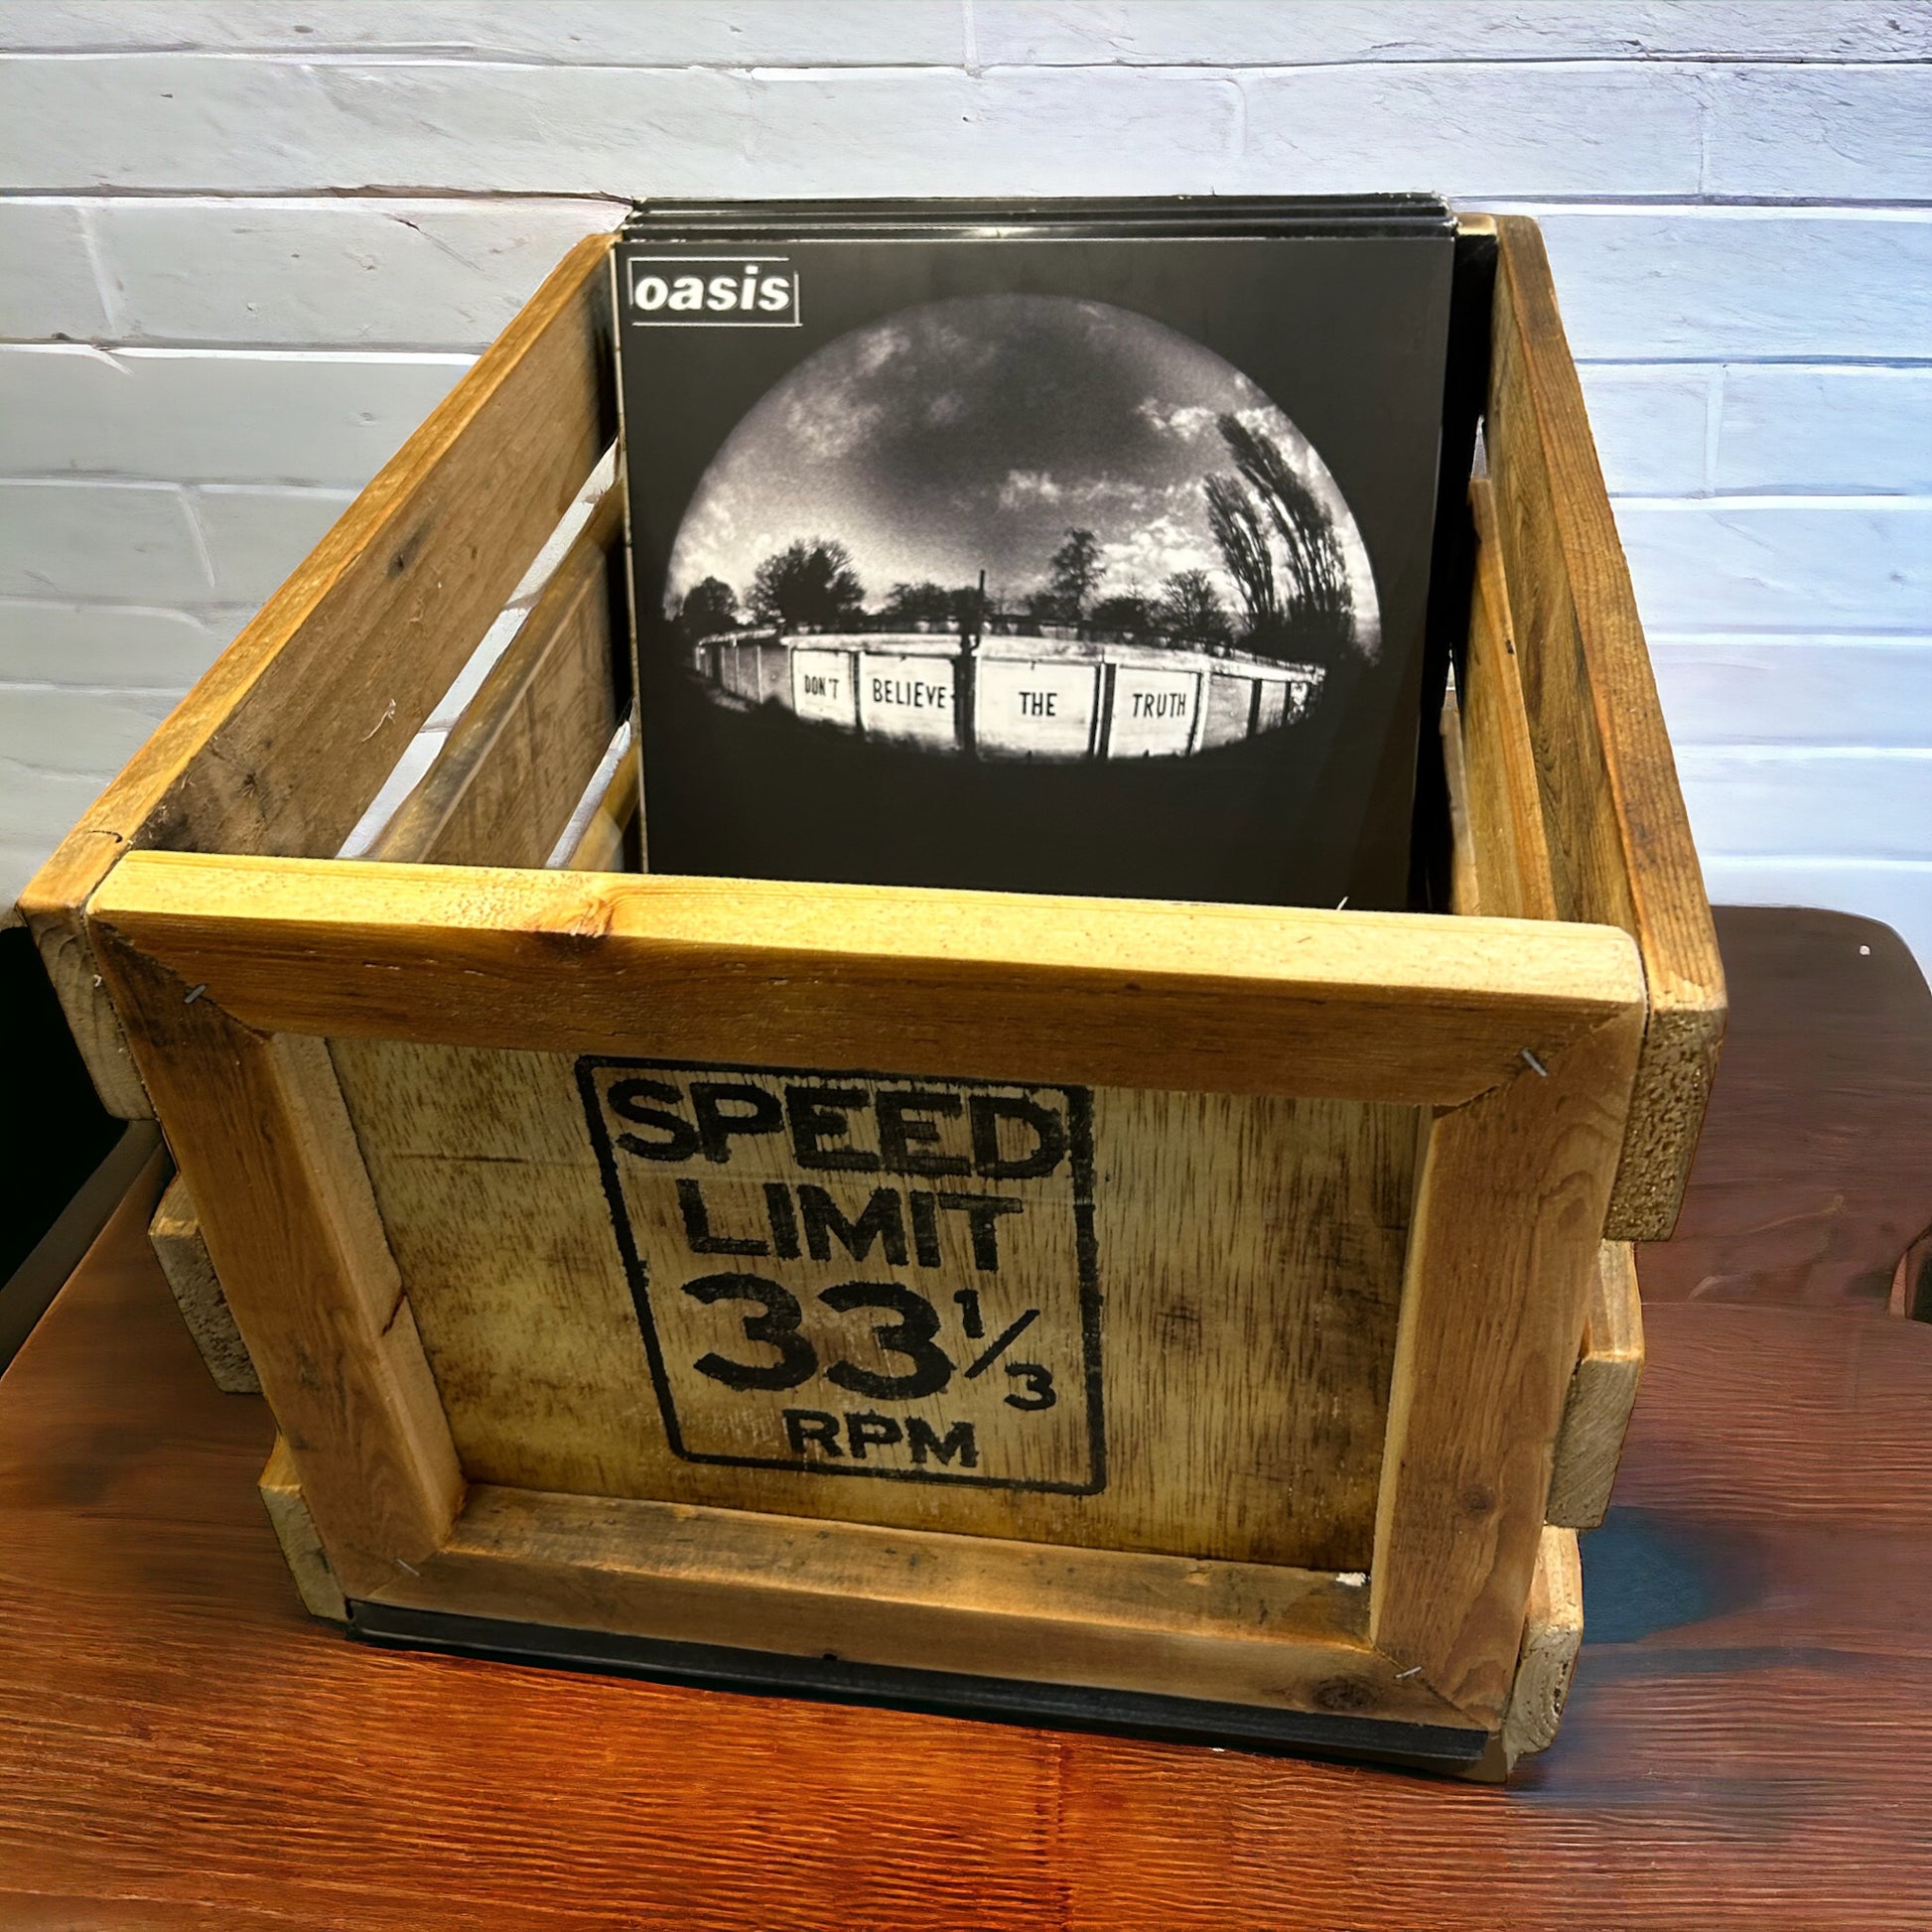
(713, 291)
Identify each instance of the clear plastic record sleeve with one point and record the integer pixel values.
(1056, 547)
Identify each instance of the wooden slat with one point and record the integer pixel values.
(1619, 841)
(295, 1531)
(1511, 855)
(1504, 869)
(267, 1150)
(514, 766)
(283, 743)
(1602, 1392)
(604, 843)
(1251, 1633)
(1502, 1252)
(176, 1237)
(1360, 1006)
(1465, 876)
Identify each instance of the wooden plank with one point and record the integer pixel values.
(1465, 877)
(265, 1146)
(284, 742)
(1251, 1633)
(1501, 1253)
(1619, 840)
(515, 764)
(1602, 1392)
(295, 1531)
(607, 841)
(176, 1236)
(1250, 1252)
(1360, 1006)
(1513, 863)
(1511, 855)
(1553, 1634)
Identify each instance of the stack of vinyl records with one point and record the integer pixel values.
(1066, 546)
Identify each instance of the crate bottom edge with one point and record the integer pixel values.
(995, 1700)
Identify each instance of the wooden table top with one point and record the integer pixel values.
(1748, 1742)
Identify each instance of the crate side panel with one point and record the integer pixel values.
(1228, 1269)
(288, 736)
(1619, 842)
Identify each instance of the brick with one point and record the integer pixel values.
(1237, 33)
(1798, 429)
(38, 809)
(256, 536)
(1014, 131)
(1835, 564)
(186, 122)
(1776, 799)
(666, 34)
(1651, 426)
(208, 124)
(1795, 690)
(217, 417)
(1738, 284)
(130, 541)
(1584, 128)
(374, 274)
(1826, 133)
(48, 286)
(127, 646)
(82, 733)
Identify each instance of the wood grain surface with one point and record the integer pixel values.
(1363, 1006)
(1747, 1743)
(1502, 1256)
(283, 1202)
(1618, 840)
(1248, 1334)
(1496, 762)
(516, 762)
(1602, 1388)
(176, 1236)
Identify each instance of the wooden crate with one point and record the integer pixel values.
(1333, 1326)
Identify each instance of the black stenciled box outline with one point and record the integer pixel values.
(1079, 1121)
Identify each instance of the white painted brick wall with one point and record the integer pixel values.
(248, 243)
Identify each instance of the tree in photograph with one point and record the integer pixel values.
(922, 602)
(1126, 610)
(1075, 573)
(1192, 608)
(708, 607)
(929, 603)
(1242, 539)
(810, 584)
(1317, 603)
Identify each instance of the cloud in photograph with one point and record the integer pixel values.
(970, 433)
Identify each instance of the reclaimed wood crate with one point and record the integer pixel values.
(1212, 1319)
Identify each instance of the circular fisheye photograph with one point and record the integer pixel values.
(1021, 526)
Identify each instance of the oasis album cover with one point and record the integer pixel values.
(1078, 548)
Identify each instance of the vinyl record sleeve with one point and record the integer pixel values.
(1054, 561)
(1151, 213)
